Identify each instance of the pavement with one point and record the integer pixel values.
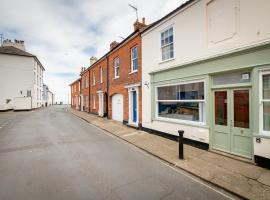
(50, 153)
(241, 178)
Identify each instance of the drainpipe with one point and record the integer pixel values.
(107, 95)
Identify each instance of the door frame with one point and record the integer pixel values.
(100, 103)
(131, 89)
(230, 90)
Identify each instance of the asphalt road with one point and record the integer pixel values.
(51, 154)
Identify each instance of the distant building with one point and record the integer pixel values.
(75, 94)
(48, 96)
(21, 77)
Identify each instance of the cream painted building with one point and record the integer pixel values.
(21, 76)
(206, 70)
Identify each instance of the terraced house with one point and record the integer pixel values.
(124, 82)
(98, 86)
(111, 86)
(206, 70)
(84, 93)
(75, 94)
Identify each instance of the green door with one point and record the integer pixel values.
(231, 129)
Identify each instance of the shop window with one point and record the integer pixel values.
(265, 102)
(182, 102)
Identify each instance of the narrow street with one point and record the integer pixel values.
(51, 154)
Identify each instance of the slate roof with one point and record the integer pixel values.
(10, 50)
(14, 51)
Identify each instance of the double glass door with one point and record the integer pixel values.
(231, 129)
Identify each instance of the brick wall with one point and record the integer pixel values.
(84, 88)
(117, 86)
(95, 69)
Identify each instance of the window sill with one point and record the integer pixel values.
(182, 122)
(116, 78)
(168, 60)
(132, 72)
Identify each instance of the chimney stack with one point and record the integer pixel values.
(19, 44)
(138, 25)
(113, 44)
(92, 60)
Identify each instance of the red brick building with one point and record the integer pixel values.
(98, 87)
(75, 94)
(124, 85)
(111, 86)
(84, 89)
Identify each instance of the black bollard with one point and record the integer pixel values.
(181, 144)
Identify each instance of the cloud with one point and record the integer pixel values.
(64, 34)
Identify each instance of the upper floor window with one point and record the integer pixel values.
(101, 74)
(134, 59)
(116, 67)
(86, 81)
(82, 83)
(265, 102)
(94, 78)
(167, 50)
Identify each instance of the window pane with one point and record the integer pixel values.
(221, 108)
(241, 108)
(167, 93)
(266, 116)
(135, 64)
(266, 86)
(171, 50)
(192, 91)
(180, 110)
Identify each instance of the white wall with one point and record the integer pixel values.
(202, 30)
(16, 76)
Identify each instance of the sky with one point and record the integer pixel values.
(64, 34)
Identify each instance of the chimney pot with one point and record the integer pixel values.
(113, 44)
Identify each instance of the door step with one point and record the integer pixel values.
(235, 157)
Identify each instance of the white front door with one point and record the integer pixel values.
(117, 107)
(100, 104)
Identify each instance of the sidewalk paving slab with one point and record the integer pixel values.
(241, 178)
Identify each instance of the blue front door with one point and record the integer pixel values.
(134, 99)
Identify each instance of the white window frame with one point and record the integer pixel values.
(202, 112)
(101, 74)
(94, 78)
(94, 101)
(261, 100)
(161, 47)
(132, 59)
(116, 67)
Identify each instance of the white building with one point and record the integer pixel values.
(21, 76)
(206, 70)
(48, 96)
